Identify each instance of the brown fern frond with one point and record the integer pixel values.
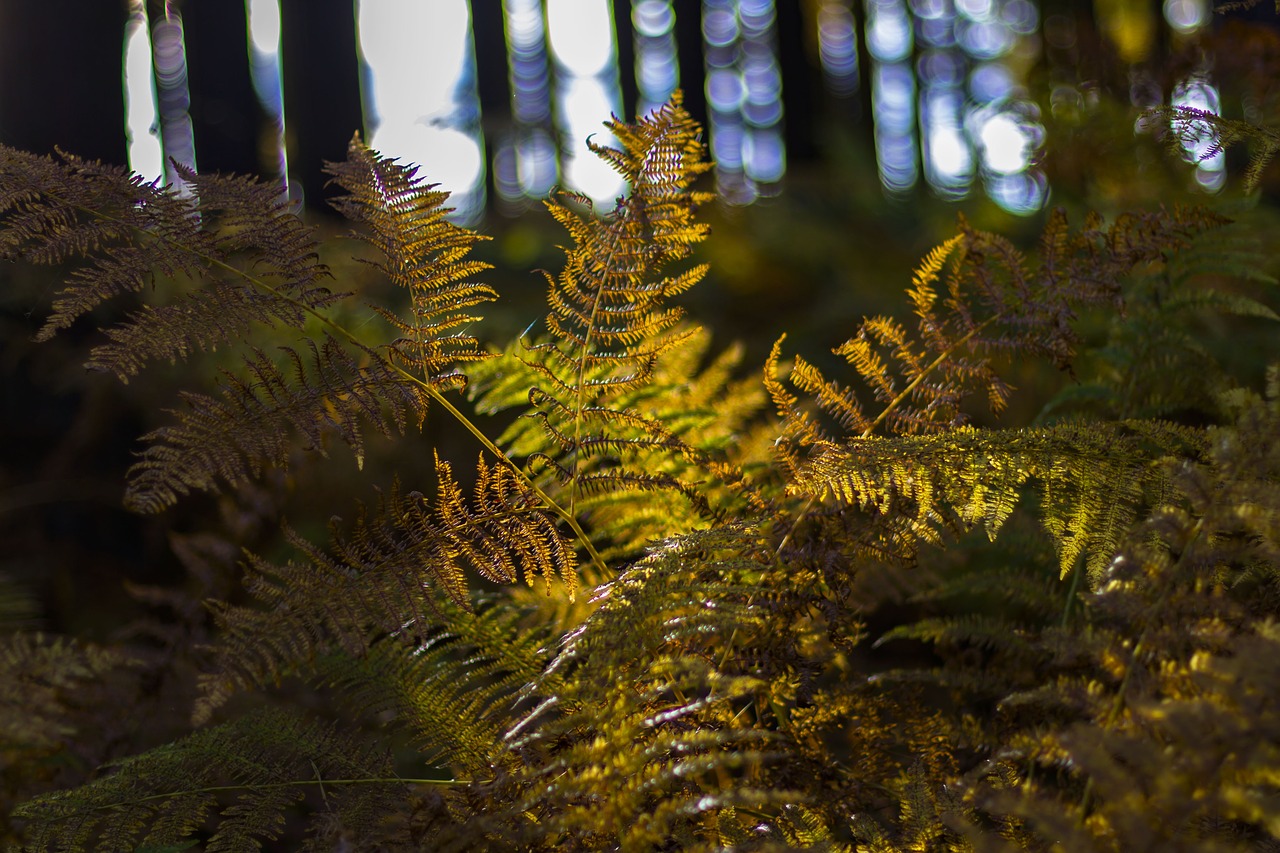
(252, 262)
(322, 391)
(129, 233)
(423, 252)
(992, 305)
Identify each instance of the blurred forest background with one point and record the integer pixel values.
(848, 135)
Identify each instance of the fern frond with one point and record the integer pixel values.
(1091, 479)
(254, 263)
(1191, 128)
(331, 390)
(456, 689)
(1146, 730)
(269, 760)
(41, 680)
(992, 306)
(637, 733)
(386, 576)
(130, 232)
(424, 253)
(609, 321)
(1164, 357)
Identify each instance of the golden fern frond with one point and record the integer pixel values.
(1091, 480)
(699, 404)
(424, 253)
(268, 760)
(1146, 730)
(702, 689)
(610, 320)
(991, 305)
(385, 577)
(638, 735)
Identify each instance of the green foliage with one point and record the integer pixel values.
(862, 625)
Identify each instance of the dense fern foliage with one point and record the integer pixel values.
(652, 614)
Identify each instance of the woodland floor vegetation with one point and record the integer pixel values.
(661, 600)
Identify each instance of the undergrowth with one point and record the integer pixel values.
(667, 606)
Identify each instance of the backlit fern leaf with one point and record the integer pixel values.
(707, 412)
(424, 253)
(385, 577)
(1091, 480)
(638, 737)
(609, 319)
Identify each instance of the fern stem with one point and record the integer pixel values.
(265, 786)
(1071, 594)
(342, 331)
(580, 402)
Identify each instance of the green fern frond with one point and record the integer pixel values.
(239, 779)
(1165, 356)
(455, 689)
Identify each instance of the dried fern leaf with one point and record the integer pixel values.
(423, 252)
(260, 418)
(237, 236)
